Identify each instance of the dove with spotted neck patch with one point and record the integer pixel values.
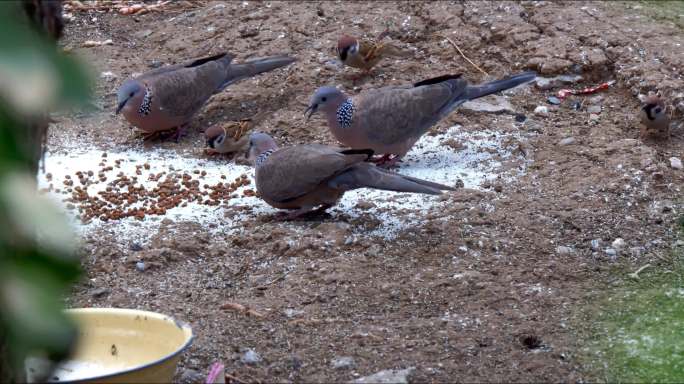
(303, 177)
(169, 97)
(390, 120)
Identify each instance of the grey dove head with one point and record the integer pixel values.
(128, 90)
(327, 99)
(259, 144)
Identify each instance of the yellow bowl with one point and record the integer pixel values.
(124, 346)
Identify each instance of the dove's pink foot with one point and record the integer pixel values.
(387, 161)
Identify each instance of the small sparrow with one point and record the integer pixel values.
(365, 54)
(229, 137)
(655, 123)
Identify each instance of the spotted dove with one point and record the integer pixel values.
(168, 97)
(304, 177)
(391, 119)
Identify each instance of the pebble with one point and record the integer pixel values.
(553, 100)
(190, 376)
(343, 362)
(618, 243)
(593, 118)
(135, 247)
(595, 244)
(563, 250)
(520, 118)
(567, 141)
(611, 252)
(675, 163)
(576, 105)
(140, 266)
(250, 357)
(541, 110)
(387, 376)
(155, 64)
(594, 109)
(99, 292)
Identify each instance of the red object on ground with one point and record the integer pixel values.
(563, 93)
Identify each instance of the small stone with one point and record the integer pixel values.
(563, 250)
(250, 357)
(520, 118)
(388, 376)
(498, 188)
(365, 205)
(611, 252)
(135, 247)
(596, 244)
(567, 141)
(618, 244)
(675, 163)
(143, 34)
(594, 118)
(155, 64)
(553, 100)
(343, 362)
(190, 376)
(291, 312)
(576, 105)
(140, 266)
(594, 109)
(541, 110)
(99, 292)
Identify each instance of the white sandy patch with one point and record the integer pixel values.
(430, 159)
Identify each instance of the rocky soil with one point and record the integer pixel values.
(481, 284)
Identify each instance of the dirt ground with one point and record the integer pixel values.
(485, 288)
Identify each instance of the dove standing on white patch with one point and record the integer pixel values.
(169, 97)
(390, 120)
(304, 177)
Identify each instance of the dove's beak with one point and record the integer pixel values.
(120, 106)
(310, 110)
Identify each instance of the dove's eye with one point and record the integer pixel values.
(324, 99)
(657, 110)
(132, 93)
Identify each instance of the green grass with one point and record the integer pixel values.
(638, 327)
(662, 10)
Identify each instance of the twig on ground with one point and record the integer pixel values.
(464, 56)
(635, 275)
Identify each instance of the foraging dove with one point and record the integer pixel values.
(655, 124)
(304, 177)
(390, 120)
(365, 54)
(168, 97)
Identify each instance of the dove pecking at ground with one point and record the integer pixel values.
(389, 120)
(304, 177)
(169, 97)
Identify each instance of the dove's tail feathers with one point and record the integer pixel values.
(476, 91)
(237, 72)
(366, 175)
(221, 56)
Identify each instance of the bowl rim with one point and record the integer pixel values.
(180, 324)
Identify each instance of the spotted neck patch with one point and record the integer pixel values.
(345, 113)
(264, 155)
(146, 104)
